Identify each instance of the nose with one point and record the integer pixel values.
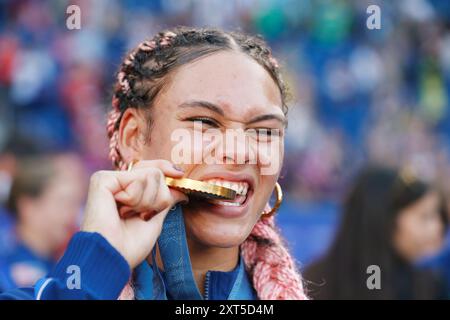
(236, 148)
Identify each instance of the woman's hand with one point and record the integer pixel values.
(128, 208)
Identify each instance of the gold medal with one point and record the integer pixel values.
(201, 189)
(196, 188)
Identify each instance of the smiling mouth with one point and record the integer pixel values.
(242, 189)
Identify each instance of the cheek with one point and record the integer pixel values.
(53, 216)
(433, 232)
(265, 193)
(157, 145)
(412, 239)
(270, 157)
(402, 235)
(407, 230)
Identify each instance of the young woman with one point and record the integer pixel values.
(392, 220)
(131, 242)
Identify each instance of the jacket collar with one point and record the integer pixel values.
(178, 282)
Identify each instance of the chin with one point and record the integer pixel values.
(212, 231)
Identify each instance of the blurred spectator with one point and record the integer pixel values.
(15, 148)
(392, 220)
(46, 196)
(440, 263)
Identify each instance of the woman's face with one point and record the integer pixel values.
(419, 231)
(227, 93)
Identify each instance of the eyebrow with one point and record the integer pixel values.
(216, 109)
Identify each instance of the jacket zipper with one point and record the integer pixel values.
(206, 291)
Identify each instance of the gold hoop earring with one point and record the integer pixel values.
(279, 194)
(131, 164)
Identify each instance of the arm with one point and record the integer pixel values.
(100, 273)
(123, 218)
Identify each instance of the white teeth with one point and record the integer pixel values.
(240, 187)
(225, 203)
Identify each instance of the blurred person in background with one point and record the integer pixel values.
(46, 196)
(392, 220)
(440, 263)
(14, 148)
(7, 169)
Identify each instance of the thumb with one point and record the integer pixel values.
(178, 196)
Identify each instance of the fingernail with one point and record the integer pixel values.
(177, 168)
(127, 214)
(146, 215)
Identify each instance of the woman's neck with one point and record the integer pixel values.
(205, 258)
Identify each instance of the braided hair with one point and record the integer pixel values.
(141, 77)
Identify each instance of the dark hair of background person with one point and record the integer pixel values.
(365, 237)
(32, 177)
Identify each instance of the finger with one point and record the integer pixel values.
(179, 197)
(168, 168)
(157, 196)
(151, 226)
(140, 188)
(117, 181)
(164, 198)
(147, 215)
(126, 212)
(151, 201)
(168, 197)
(133, 192)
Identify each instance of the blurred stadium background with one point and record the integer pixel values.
(358, 95)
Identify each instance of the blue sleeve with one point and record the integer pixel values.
(90, 269)
(440, 264)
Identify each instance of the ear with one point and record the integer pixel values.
(131, 134)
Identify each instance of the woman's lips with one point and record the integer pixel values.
(228, 208)
(242, 183)
(238, 201)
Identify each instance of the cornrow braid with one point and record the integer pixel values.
(256, 48)
(271, 267)
(141, 77)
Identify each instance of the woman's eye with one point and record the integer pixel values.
(205, 121)
(266, 132)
